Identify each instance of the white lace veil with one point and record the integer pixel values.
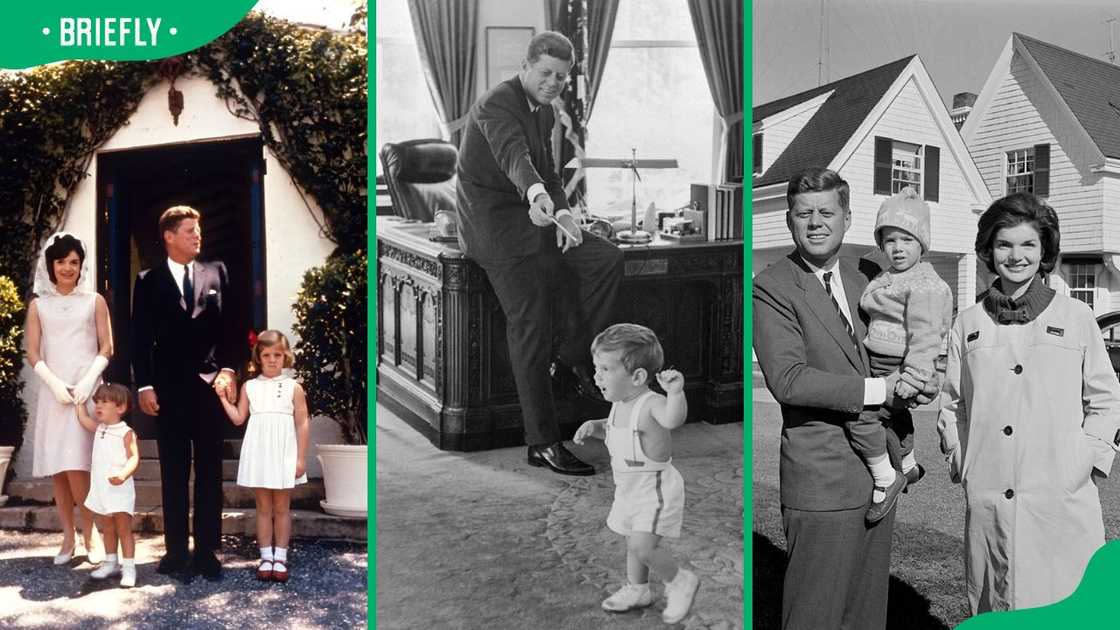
(43, 285)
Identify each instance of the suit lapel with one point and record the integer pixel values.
(533, 119)
(821, 305)
(200, 276)
(854, 285)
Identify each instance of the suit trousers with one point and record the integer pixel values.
(526, 290)
(190, 423)
(838, 571)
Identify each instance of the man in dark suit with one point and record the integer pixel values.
(182, 341)
(509, 197)
(807, 332)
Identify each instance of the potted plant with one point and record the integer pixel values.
(13, 415)
(330, 311)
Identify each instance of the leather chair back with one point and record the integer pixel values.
(421, 177)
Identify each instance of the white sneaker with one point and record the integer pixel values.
(679, 594)
(629, 597)
(106, 569)
(128, 576)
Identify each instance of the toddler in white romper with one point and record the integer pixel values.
(649, 491)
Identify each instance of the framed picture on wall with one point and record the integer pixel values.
(505, 48)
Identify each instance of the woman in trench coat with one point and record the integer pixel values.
(1030, 421)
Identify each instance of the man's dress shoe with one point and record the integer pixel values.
(559, 459)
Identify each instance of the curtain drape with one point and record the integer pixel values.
(447, 36)
(719, 33)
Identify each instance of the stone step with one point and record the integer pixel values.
(231, 449)
(149, 470)
(305, 523)
(305, 495)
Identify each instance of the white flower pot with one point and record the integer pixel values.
(344, 477)
(5, 459)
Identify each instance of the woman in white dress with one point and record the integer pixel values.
(69, 342)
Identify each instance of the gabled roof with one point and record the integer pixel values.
(832, 126)
(1090, 88)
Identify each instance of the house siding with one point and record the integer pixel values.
(1023, 112)
(776, 138)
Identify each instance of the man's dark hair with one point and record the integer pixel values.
(171, 218)
(61, 248)
(552, 44)
(1016, 209)
(817, 179)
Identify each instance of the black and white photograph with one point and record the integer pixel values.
(935, 295)
(559, 421)
(183, 263)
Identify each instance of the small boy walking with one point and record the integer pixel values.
(649, 491)
(911, 310)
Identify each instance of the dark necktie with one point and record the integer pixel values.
(188, 289)
(828, 289)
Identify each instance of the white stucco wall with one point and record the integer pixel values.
(292, 240)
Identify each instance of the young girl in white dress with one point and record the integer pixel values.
(112, 493)
(274, 449)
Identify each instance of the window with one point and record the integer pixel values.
(404, 104)
(653, 98)
(756, 154)
(1020, 171)
(1028, 170)
(1082, 280)
(906, 166)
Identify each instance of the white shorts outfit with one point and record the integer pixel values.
(269, 450)
(109, 457)
(648, 495)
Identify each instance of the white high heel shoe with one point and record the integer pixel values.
(64, 558)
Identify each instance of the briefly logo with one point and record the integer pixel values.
(84, 32)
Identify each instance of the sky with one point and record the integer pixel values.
(958, 41)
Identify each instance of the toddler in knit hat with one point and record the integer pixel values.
(910, 309)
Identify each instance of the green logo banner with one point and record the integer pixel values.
(120, 30)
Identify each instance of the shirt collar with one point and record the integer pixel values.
(176, 268)
(533, 106)
(820, 271)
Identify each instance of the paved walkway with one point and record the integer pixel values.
(327, 589)
(483, 540)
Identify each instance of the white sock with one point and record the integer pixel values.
(908, 462)
(883, 474)
(111, 558)
(128, 563)
(266, 554)
(281, 554)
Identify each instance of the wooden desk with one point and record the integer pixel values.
(443, 363)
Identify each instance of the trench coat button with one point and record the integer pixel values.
(1007, 430)
(1018, 369)
(1010, 493)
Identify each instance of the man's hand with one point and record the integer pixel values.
(227, 382)
(540, 210)
(928, 390)
(149, 402)
(570, 236)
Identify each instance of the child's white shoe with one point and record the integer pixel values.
(679, 594)
(629, 597)
(128, 576)
(107, 568)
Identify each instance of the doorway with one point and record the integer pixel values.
(221, 179)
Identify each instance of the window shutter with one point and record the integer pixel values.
(1042, 170)
(883, 147)
(931, 179)
(756, 154)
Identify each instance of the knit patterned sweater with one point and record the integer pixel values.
(911, 312)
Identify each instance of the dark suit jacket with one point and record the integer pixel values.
(168, 346)
(506, 148)
(816, 373)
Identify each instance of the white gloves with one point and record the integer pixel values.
(85, 386)
(53, 382)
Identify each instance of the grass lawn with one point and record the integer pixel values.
(927, 555)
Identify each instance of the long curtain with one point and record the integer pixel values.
(590, 25)
(447, 35)
(719, 33)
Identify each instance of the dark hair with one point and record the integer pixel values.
(171, 218)
(1016, 209)
(61, 248)
(115, 393)
(638, 344)
(267, 339)
(817, 179)
(549, 43)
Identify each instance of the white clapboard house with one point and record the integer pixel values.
(1048, 121)
(882, 129)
